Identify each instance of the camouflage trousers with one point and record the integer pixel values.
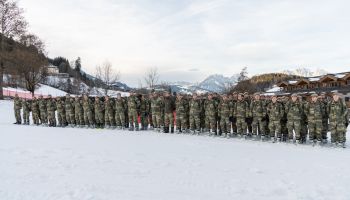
(275, 128)
(61, 118)
(225, 124)
(241, 126)
(133, 118)
(157, 119)
(43, 116)
(70, 117)
(109, 118)
(26, 114)
(195, 121)
(338, 131)
(35, 116)
(258, 126)
(324, 128)
(303, 129)
(294, 126)
(88, 118)
(52, 117)
(169, 119)
(181, 121)
(99, 117)
(120, 118)
(79, 118)
(210, 122)
(144, 119)
(315, 130)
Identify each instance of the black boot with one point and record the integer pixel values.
(166, 129)
(172, 129)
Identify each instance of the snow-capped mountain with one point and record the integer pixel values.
(218, 82)
(305, 72)
(213, 83)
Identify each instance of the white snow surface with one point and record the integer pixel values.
(41, 163)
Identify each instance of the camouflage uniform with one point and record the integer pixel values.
(275, 112)
(133, 111)
(87, 107)
(294, 113)
(314, 112)
(195, 109)
(109, 113)
(156, 108)
(78, 111)
(17, 106)
(51, 108)
(169, 108)
(120, 108)
(338, 113)
(99, 109)
(144, 112)
(26, 111)
(182, 109)
(35, 111)
(284, 120)
(211, 108)
(43, 111)
(258, 112)
(70, 113)
(303, 120)
(241, 111)
(225, 111)
(61, 113)
(325, 116)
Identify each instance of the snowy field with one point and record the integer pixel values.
(38, 163)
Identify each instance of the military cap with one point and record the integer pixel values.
(294, 95)
(314, 95)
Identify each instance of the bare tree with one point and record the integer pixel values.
(31, 61)
(152, 77)
(12, 25)
(106, 76)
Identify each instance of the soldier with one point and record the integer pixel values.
(241, 111)
(258, 112)
(87, 108)
(181, 114)
(144, 112)
(109, 113)
(17, 106)
(324, 103)
(120, 107)
(51, 108)
(225, 111)
(35, 111)
(79, 112)
(284, 129)
(157, 107)
(275, 112)
(26, 111)
(169, 108)
(338, 120)
(69, 108)
(133, 111)
(211, 108)
(195, 109)
(233, 118)
(303, 120)
(294, 113)
(43, 110)
(99, 108)
(314, 112)
(249, 119)
(61, 113)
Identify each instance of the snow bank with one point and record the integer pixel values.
(80, 164)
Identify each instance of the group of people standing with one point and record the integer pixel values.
(292, 119)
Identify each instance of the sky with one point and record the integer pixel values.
(188, 40)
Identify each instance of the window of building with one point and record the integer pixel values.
(347, 98)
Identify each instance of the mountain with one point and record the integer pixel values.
(305, 72)
(218, 82)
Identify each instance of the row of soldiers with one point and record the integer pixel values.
(278, 119)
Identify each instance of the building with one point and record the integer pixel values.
(339, 82)
(52, 70)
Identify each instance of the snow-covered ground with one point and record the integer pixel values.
(38, 163)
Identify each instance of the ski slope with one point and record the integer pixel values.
(40, 163)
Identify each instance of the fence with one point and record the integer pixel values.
(21, 94)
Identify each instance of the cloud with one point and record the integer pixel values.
(216, 36)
